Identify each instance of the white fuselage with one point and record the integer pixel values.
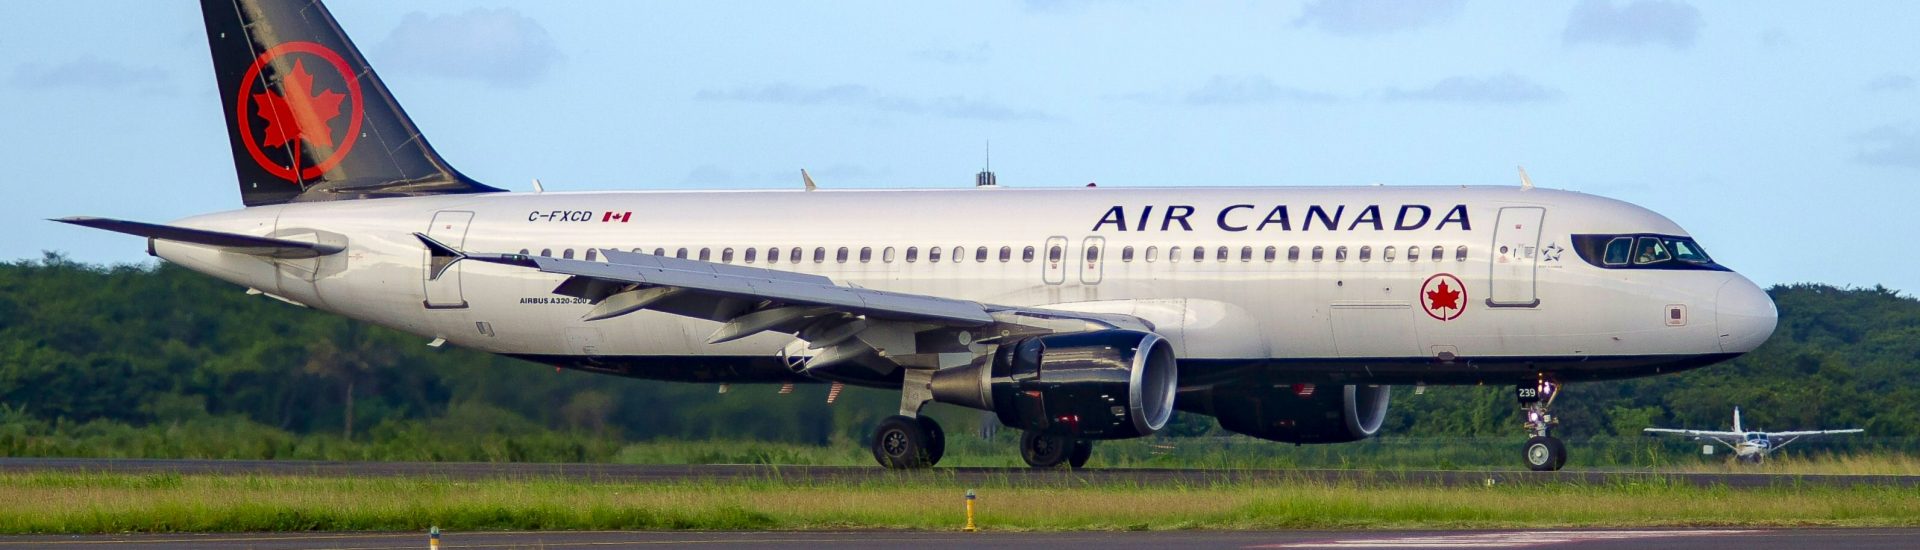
(1346, 315)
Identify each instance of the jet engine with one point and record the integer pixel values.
(1110, 384)
(1299, 413)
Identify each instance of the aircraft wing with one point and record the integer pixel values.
(1695, 433)
(1813, 433)
(839, 323)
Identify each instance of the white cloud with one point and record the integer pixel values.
(1504, 88)
(1376, 16)
(1641, 22)
(1891, 83)
(87, 73)
(1236, 90)
(853, 95)
(1889, 145)
(500, 46)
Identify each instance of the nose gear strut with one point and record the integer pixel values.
(1543, 452)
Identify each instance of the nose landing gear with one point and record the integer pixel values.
(1543, 452)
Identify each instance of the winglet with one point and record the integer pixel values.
(443, 256)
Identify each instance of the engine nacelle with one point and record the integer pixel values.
(1332, 414)
(1110, 384)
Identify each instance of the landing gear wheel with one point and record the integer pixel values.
(1545, 454)
(1082, 450)
(936, 440)
(1042, 450)
(901, 443)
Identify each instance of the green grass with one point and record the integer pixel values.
(109, 503)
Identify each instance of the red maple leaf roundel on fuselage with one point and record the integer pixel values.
(1443, 297)
(297, 112)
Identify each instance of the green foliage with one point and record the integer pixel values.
(141, 361)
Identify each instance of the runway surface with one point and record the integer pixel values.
(846, 474)
(1695, 539)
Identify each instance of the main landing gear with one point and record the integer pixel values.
(1543, 452)
(908, 440)
(1044, 450)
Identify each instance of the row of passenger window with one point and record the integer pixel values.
(984, 254)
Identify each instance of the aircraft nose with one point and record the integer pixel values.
(1744, 314)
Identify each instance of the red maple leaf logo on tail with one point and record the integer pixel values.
(1443, 297)
(297, 112)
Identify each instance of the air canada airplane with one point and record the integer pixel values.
(1751, 446)
(1072, 314)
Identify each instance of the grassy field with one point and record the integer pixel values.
(103, 503)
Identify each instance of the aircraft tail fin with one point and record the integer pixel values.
(307, 117)
(1736, 420)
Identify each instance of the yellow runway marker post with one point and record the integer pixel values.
(970, 528)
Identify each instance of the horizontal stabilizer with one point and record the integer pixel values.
(231, 242)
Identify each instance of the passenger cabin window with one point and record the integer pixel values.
(1460, 254)
(706, 254)
(593, 255)
(1006, 254)
(525, 252)
(887, 255)
(681, 253)
(773, 255)
(913, 254)
(1220, 254)
(1173, 254)
(751, 252)
(661, 252)
(1273, 253)
(1199, 254)
(726, 255)
(568, 254)
(1340, 254)
(1652, 251)
(1366, 253)
(794, 256)
(866, 254)
(546, 252)
(1126, 254)
(1153, 254)
(840, 255)
(933, 255)
(1293, 253)
(959, 253)
(1387, 254)
(1319, 252)
(1026, 254)
(1246, 253)
(1413, 253)
(1619, 251)
(1439, 253)
(819, 255)
(980, 254)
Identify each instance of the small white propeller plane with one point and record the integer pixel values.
(1751, 446)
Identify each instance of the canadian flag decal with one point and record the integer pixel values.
(621, 217)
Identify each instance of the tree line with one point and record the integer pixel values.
(143, 356)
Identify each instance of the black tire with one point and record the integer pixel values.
(1042, 450)
(936, 440)
(1082, 450)
(900, 443)
(1544, 454)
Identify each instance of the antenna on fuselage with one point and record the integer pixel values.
(537, 188)
(986, 178)
(807, 179)
(1526, 183)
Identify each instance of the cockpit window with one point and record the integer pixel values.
(1652, 250)
(1643, 251)
(1619, 250)
(1688, 251)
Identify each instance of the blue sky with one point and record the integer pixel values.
(1784, 135)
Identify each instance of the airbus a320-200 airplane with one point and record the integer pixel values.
(1073, 314)
(1751, 446)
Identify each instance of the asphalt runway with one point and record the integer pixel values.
(1594, 539)
(626, 473)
